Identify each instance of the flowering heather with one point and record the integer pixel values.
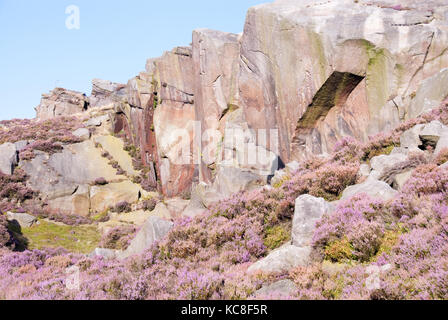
(118, 238)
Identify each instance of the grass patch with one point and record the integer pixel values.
(78, 239)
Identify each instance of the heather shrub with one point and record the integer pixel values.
(122, 206)
(149, 204)
(118, 238)
(427, 179)
(13, 187)
(100, 182)
(6, 239)
(353, 232)
(441, 157)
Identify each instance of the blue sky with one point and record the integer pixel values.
(38, 52)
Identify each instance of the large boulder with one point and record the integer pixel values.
(23, 219)
(432, 132)
(410, 139)
(61, 102)
(282, 259)
(9, 158)
(383, 162)
(104, 197)
(155, 229)
(308, 211)
(371, 187)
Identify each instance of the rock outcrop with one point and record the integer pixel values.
(61, 102)
(300, 77)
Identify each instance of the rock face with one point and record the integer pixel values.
(8, 158)
(353, 69)
(23, 219)
(61, 102)
(349, 66)
(154, 229)
(65, 180)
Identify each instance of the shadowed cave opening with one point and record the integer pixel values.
(334, 92)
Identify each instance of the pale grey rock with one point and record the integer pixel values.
(154, 229)
(383, 162)
(410, 139)
(97, 121)
(364, 170)
(23, 219)
(82, 133)
(107, 254)
(292, 166)
(401, 179)
(176, 206)
(308, 210)
(20, 145)
(371, 187)
(282, 288)
(432, 132)
(282, 259)
(8, 158)
(61, 102)
(230, 180)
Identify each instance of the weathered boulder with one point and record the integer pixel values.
(371, 187)
(401, 179)
(283, 288)
(9, 158)
(161, 211)
(155, 229)
(308, 210)
(410, 139)
(381, 163)
(230, 180)
(61, 102)
(82, 133)
(23, 219)
(364, 170)
(97, 121)
(77, 203)
(282, 259)
(103, 197)
(105, 92)
(432, 132)
(176, 206)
